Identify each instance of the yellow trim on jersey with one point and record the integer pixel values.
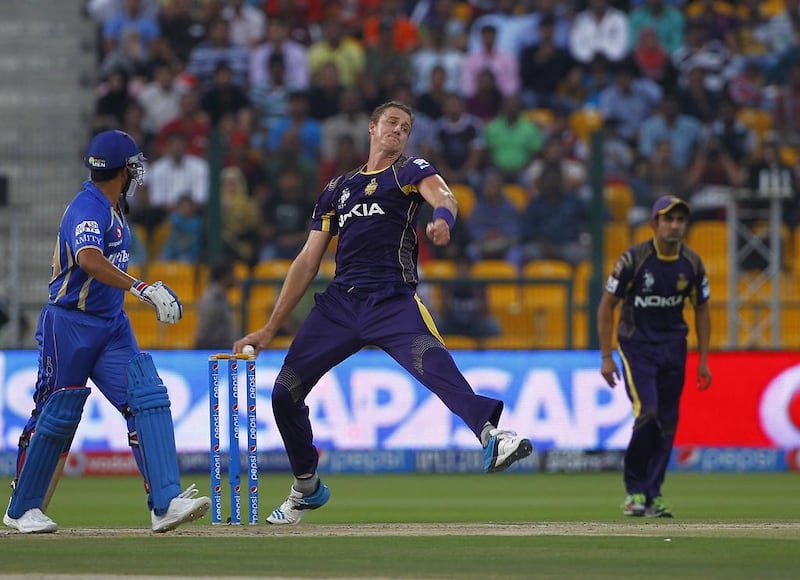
(70, 262)
(84, 294)
(664, 257)
(637, 403)
(426, 316)
(325, 221)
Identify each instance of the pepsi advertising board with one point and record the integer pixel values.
(556, 398)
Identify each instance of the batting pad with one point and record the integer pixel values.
(55, 428)
(149, 404)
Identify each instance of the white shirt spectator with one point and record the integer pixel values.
(160, 100)
(247, 24)
(170, 179)
(607, 36)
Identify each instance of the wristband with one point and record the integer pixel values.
(446, 215)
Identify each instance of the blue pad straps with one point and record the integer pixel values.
(149, 404)
(55, 428)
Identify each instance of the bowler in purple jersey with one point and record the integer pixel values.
(653, 280)
(372, 301)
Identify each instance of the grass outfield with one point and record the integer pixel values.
(435, 526)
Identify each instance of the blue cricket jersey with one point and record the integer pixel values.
(654, 289)
(374, 213)
(89, 221)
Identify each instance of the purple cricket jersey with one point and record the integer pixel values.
(654, 289)
(374, 214)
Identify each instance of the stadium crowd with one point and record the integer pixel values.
(688, 96)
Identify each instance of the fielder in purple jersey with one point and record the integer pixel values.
(84, 333)
(371, 301)
(653, 280)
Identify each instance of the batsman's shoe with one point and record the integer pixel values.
(184, 508)
(294, 508)
(503, 449)
(634, 505)
(33, 521)
(658, 509)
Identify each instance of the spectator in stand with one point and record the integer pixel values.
(247, 23)
(431, 103)
(737, 139)
(403, 35)
(667, 21)
(291, 216)
(653, 178)
(192, 122)
(512, 140)
(600, 30)
(223, 97)
(510, 24)
(767, 172)
(239, 214)
(217, 48)
(503, 65)
(493, 225)
(685, 133)
(719, 18)
(384, 67)
(185, 240)
(553, 154)
(555, 225)
(712, 166)
(342, 158)
(696, 100)
(436, 51)
(304, 128)
(344, 51)
(350, 121)
(709, 53)
(753, 34)
(781, 29)
(571, 91)
(270, 98)
(159, 99)
(132, 16)
(747, 88)
(458, 149)
(629, 100)
(128, 57)
(112, 101)
(181, 28)
(176, 174)
(465, 307)
(560, 13)
(294, 57)
(541, 67)
(132, 125)
(786, 112)
(652, 60)
(325, 92)
(485, 103)
(216, 326)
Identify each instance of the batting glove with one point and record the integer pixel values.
(159, 296)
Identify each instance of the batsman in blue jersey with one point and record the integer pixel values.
(84, 333)
(653, 280)
(371, 301)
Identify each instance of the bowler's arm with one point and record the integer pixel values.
(436, 192)
(301, 273)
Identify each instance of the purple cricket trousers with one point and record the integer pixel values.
(654, 377)
(341, 323)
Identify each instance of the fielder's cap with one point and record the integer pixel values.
(110, 150)
(666, 203)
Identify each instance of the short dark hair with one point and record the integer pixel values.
(100, 175)
(220, 269)
(379, 110)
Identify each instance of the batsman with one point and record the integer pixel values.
(83, 332)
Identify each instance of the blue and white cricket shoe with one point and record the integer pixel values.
(503, 449)
(294, 508)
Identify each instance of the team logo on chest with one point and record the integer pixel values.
(648, 281)
(682, 283)
(371, 187)
(345, 195)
